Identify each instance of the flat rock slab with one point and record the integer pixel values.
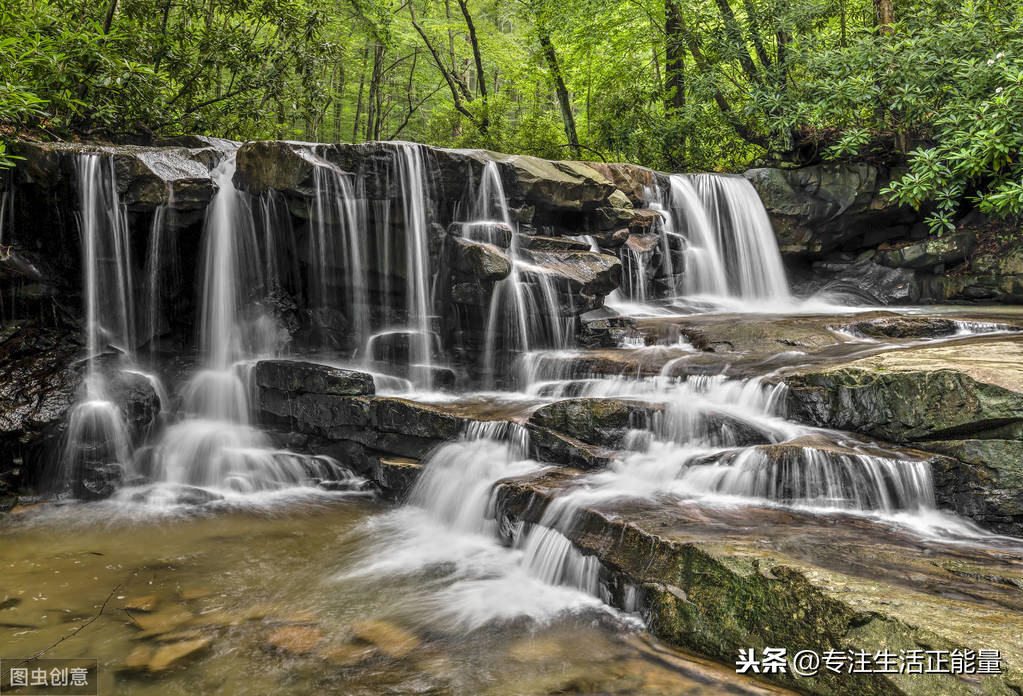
(718, 579)
(971, 388)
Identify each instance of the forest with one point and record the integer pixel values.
(678, 85)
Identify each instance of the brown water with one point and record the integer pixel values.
(264, 601)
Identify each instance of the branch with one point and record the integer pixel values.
(83, 626)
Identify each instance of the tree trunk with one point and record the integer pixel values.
(885, 15)
(358, 100)
(481, 78)
(563, 99)
(675, 58)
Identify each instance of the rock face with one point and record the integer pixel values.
(296, 377)
(949, 249)
(982, 480)
(825, 207)
(948, 392)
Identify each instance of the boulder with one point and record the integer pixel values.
(982, 480)
(903, 327)
(602, 422)
(296, 377)
(869, 282)
(274, 165)
(970, 390)
(584, 272)
(633, 180)
(561, 185)
(486, 262)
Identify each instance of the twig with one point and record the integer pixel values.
(77, 630)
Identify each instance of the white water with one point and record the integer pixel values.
(524, 311)
(448, 531)
(214, 446)
(97, 436)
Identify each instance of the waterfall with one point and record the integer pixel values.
(97, 437)
(418, 298)
(155, 260)
(524, 312)
(817, 478)
(746, 243)
(215, 446)
(714, 243)
(337, 248)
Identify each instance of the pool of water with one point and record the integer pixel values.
(293, 598)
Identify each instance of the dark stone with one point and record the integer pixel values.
(295, 377)
(496, 233)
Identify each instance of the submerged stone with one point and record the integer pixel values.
(391, 640)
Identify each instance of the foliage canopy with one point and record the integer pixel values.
(672, 84)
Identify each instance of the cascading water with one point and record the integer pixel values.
(745, 241)
(215, 446)
(714, 244)
(524, 311)
(336, 250)
(97, 438)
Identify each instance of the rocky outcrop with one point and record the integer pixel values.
(603, 422)
(972, 389)
(297, 377)
(982, 480)
(793, 580)
(963, 400)
(826, 207)
(948, 249)
(147, 176)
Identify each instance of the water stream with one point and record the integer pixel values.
(485, 605)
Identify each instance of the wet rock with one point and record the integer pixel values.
(175, 653)
(541, 243)
(296, 640)
(950, 248)
(603, 422)
(397, 475)
(145, 603)
(145, 175)
(793, 579)
(158, 623)
(391, 640)
(297, 377)
(870, 283)
(496, 233)
(611, 240)
(547, 445)
(138, 659)
(271, 165)
(967, 390)
(582, 272)
(561, 185)
(982, 480)
(904, 327)
(389, 425)
(819, 208)
(632, 180)
(485, 262)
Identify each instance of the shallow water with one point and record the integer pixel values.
(302, 577)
